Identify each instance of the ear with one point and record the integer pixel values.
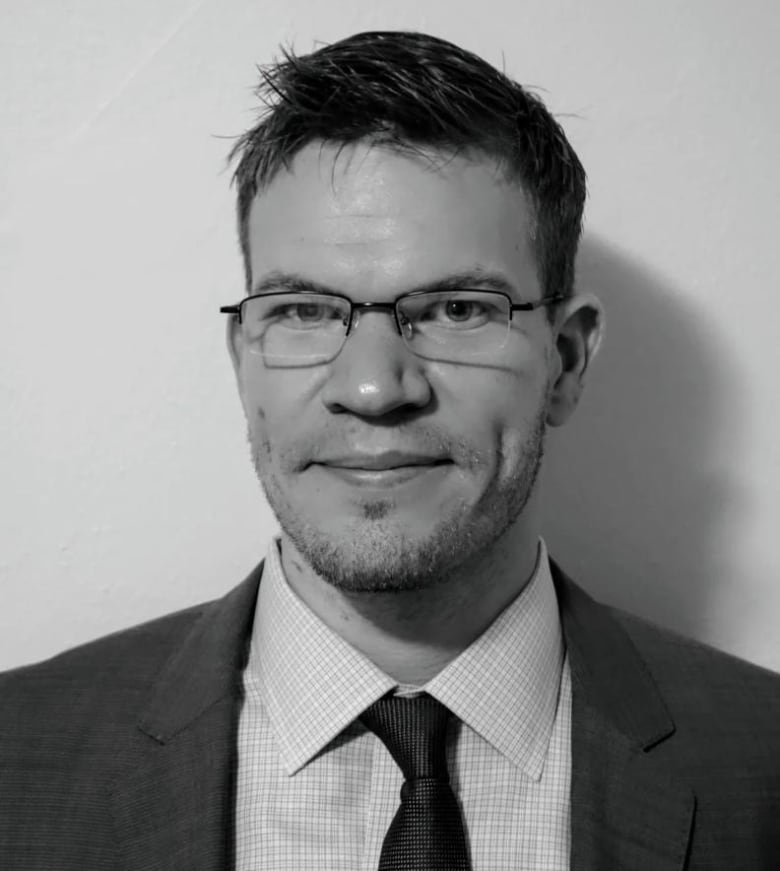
(235, 341)
(577, 335)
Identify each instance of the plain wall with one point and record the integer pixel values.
(127, 489)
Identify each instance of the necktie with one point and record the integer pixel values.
(427, 831)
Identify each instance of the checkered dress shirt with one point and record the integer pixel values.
(316, 790)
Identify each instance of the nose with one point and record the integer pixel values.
(375, 373)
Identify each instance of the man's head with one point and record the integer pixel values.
(414, 92)
(388, 163)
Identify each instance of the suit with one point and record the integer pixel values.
(122, 752)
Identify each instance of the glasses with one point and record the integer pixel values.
(305, 328)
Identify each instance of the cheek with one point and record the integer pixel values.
(505, 401)
(278, 403)
(252, 399)
(508, 415)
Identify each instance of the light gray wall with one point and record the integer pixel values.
(126, 485)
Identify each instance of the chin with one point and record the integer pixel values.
(374, 553)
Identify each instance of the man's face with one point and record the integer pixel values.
(386, 470)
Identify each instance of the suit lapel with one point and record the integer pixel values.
(627, 810)
(173, 802)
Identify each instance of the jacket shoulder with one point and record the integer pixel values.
(726, 711)
(88, 677)
(675, 659)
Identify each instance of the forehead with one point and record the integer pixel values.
(370, 217)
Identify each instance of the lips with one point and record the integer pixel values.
(381, 462)
(383, 471)
(385, 479)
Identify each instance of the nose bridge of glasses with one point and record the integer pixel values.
(386, 307)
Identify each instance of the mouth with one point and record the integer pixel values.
(382, 472)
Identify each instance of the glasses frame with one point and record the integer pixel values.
(236, 308)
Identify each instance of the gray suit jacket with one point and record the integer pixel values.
(121, 754)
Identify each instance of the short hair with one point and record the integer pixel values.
(413, 92)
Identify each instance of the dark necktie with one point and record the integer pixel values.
(427, 831)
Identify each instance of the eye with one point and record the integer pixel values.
(461, 310)
(307, 311)
(306, 314)
(454, 313)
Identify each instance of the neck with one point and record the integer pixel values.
(412, 636)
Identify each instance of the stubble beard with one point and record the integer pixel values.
(375, 553)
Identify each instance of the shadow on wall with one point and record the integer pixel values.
(637, 492)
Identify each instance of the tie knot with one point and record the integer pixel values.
(414, 730)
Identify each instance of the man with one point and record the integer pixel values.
(409, 219)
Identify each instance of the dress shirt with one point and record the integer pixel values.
(317, 790)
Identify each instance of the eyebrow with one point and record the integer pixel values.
(477, 277)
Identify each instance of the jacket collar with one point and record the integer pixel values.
(207, 667)
(173, 797)
(606, 669)
(628, 809)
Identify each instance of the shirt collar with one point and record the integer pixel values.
(314, 684)
(505, 684)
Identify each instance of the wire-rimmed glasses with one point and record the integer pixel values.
(306, 328)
